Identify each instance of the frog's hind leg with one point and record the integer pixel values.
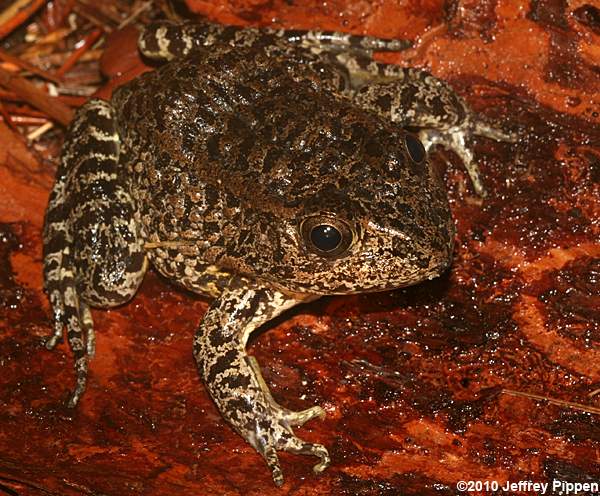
(93, 255)
(167, 40)
(415, 98)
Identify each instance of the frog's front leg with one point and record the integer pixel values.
(415, 98)
(234, 380)
(93, 254)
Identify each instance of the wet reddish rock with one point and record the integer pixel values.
(412, 380)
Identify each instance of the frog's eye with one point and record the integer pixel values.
(326, 236)
(414, 147)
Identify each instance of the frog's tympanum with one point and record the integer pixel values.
(264, 169)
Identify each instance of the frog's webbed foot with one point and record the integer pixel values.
(459, 138)
(235, 383)
(272, 435)
(416, 99)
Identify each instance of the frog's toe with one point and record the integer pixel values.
(270, 456)
(72, 313)
(457, 139)
(289, 417)
(75, 315)
(481, 128)
(58, 308)
(295, 445)
(275, 434)
(296, 419)
(88, 325)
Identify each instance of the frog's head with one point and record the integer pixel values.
(364, 212)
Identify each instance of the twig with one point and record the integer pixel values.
(15, 15)
(135, 14)
(7, 57)
(88, 41)
(36, 97)
(91, 15)
(7, 118)
(554, 401)
(20, 120)
(36, 133)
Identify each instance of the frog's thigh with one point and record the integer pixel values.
(107, 250)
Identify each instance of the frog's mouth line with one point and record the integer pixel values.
(149, 245)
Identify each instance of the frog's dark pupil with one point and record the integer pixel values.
(415, 148)
(325, 237)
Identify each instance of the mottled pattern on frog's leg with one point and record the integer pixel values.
(56, 238)
(415, 98)
(60, 278)
(167, 40)
(92, 253)
(335, 41)
(219, 349)
(108, 249)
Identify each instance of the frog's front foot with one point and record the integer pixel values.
(281, 420)
(290, 417)
(273, 433)
(458, 138)
(235, 382)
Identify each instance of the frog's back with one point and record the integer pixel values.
(235, 149)
(215, 116)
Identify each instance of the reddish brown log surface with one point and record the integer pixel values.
(411, 380)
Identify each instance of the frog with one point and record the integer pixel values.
(263, 169)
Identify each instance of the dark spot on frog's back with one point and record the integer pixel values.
(404, 211)
(373, 148)
(358, 132)
(423, 260)
(213, 147)
(384, 102)
(186, 72)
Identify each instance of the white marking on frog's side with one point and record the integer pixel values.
(97, 176)
(188, 41)
(163, 42)
(101, 135)
(101, 107)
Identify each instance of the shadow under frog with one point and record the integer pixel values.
(262, 168)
